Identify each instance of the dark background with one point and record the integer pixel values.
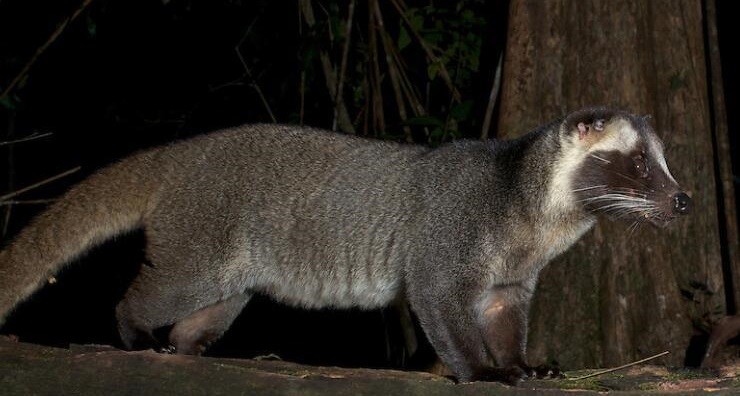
(132, 74)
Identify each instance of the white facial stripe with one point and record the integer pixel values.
(560, 194)
(624, 138)
(621, 137)
(656, 153)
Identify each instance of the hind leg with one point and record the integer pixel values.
(134, 313)
(193, 334)
(161, 296)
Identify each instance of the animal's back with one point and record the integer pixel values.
(309, 217)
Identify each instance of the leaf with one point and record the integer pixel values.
(437, 133)
(403, 38)
(417, 22)
(433, 37)
(92, 26)
(461, 111)
(468, 16)
(9, 102)
(433, 70)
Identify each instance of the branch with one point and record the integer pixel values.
(303, 97)
(408, 88)
(492, 99)
(430, 54)
(329, 73)
(343, 67)
(620, 367)
(26, 202)
(39, 184)
(392, 71)
(18, 78)
(374, 72)
(33, 136)
(247, 73)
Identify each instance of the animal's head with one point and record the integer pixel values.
(622, 172)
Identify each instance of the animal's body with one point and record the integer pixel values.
(315, 219)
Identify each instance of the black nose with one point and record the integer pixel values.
(681, 203)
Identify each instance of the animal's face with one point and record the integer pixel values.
(624, 173)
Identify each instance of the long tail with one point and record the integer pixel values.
(108, 203)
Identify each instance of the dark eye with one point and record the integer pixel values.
(641, 166)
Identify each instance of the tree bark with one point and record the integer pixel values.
(616, 297)
(724, 159)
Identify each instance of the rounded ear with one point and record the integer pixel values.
(588, 120)
(582, 130)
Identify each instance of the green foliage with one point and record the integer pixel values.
(92, 26)
(433, 114)
(453, 32)
(9, 102)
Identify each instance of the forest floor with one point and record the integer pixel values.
(93, 370)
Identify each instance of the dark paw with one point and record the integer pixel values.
(510, 375)
(543, 371)
(169, 349)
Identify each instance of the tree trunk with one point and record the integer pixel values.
(728, 215)
(616, 297)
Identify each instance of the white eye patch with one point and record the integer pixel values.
(655, 149)
(622, 138)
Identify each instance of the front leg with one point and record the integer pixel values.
(469, 332)
(503, 313)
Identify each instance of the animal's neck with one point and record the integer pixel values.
(560, 219)
(564, 219)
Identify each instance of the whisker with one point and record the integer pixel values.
(633, 228)
(628, 191)
(626, 205)
(615, 197)
(628, 177)
(601, 159)
(588, 188)
(621, 212)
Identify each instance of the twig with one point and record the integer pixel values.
(343, 66)
(375, 88)
(22, 74)
(492, 99)
(303, 98)
(620, 367)
(33, 136)
(39, 184)
(365, 111)
(392, 71)
(303, 74)
(329, 73)
(248, 73)
(408, 88)
(430, 54)
(26, 202)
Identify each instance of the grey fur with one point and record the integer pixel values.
(315, 220)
